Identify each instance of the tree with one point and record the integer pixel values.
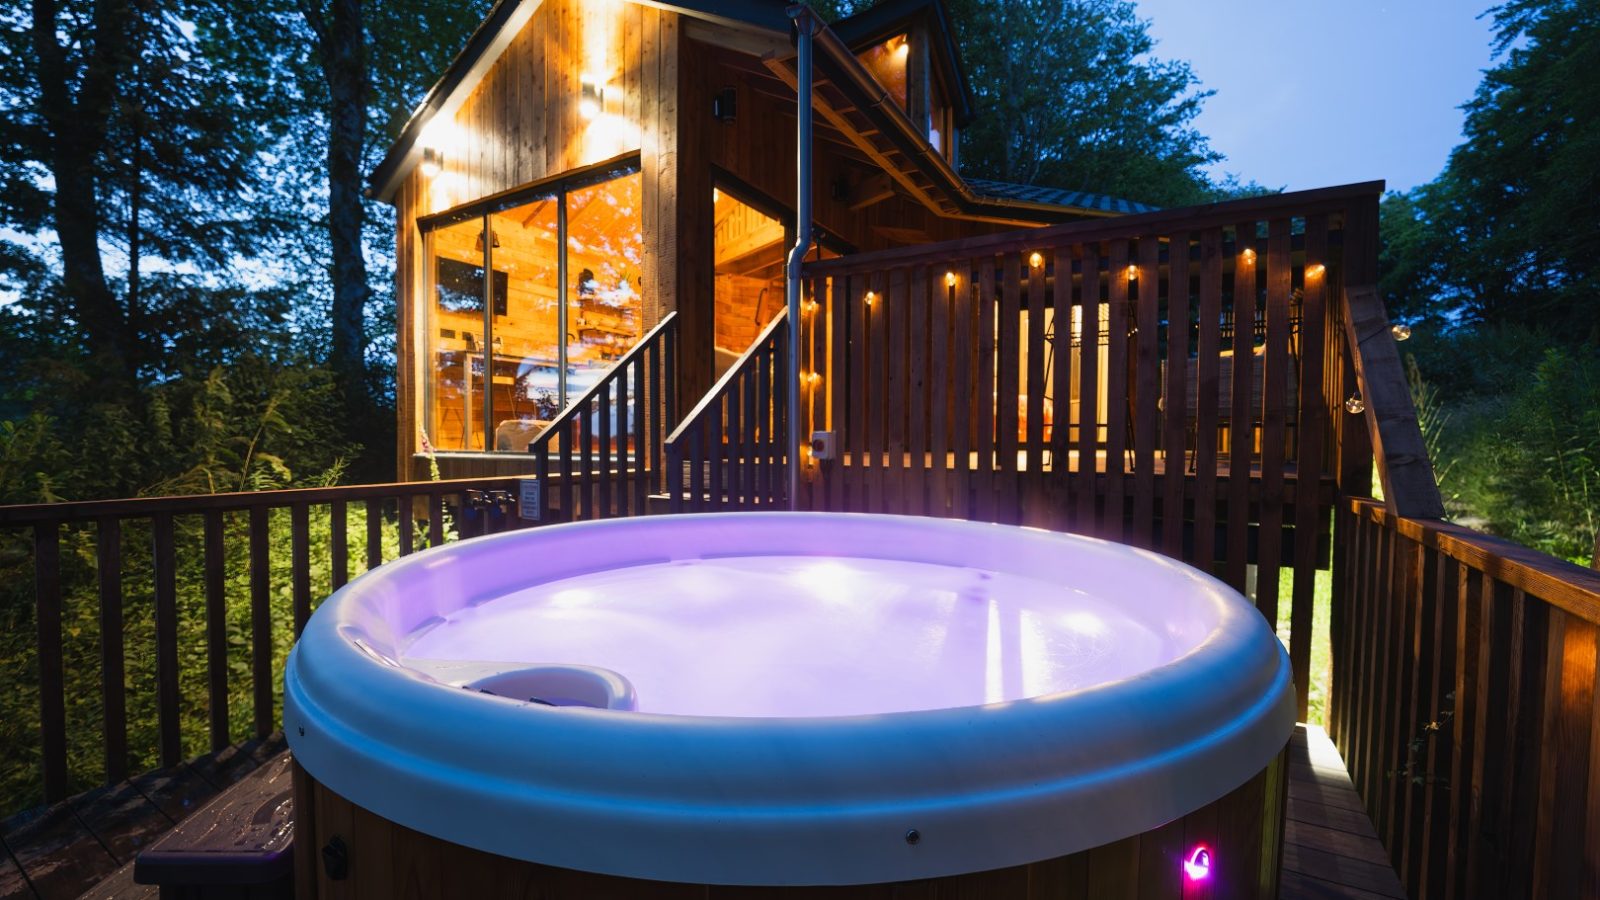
(1071, 97)
(1514, 219)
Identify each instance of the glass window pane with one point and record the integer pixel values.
(748, 256)
(455, 337)
(605, 273)
(527, 327)
(887, 63)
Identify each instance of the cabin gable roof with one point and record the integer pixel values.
(894, 16)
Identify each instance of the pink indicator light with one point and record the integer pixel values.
(1198, 865)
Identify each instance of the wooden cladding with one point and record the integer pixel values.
(1467, 707)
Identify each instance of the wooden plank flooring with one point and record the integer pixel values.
(63, 850)
(1331, 851)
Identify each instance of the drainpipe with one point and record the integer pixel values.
(805, 26)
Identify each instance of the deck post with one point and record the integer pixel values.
(805, 26)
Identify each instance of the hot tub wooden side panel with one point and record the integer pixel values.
(1243, 830)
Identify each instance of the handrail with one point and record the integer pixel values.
(574, 408)
(1223, 213)
(66, 511)
(752, 431)
(720, 389)
(1566, 585)
(606, 491)
(1409, 486)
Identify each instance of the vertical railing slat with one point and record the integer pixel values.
(216, 628)
(168, 709)
(1274, 423)
(1034, 373)
(300, 564)
(52, 683)
(1145, 353)
(1241, 430)
(1208, 387)
(261, 616)
(1088, 472)
(338, 544)
(1175, 408)
(113, 672)
(1115, 518)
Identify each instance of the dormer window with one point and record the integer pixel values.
(887, 61)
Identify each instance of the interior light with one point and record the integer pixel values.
(432, 161)
(902, 49)
(1198, 864)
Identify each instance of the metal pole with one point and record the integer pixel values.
(805, 25)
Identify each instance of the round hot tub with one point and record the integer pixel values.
(620, 708)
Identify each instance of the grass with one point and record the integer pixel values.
(1321, 651)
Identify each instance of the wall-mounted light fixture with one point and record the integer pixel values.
(592, 100)
(725, 105)
(1036, 260)
(432, 161)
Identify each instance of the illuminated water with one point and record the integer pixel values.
(761, 636)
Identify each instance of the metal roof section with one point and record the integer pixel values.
(1049, 196)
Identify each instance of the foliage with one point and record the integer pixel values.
(1072, 97)
(1510, 231)
(1528, 459)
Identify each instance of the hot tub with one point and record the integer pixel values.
(802, 699)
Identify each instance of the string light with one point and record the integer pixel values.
(1355, 404)
(1036, 260)
(1400, 330)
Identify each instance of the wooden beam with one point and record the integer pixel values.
(1409, 488)
(871, 191)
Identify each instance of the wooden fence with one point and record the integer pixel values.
(204, 531)
(1091, 377)
(729, 451)
(1466, 704)
(616, 429)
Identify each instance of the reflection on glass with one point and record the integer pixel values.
(456, 282)
(887, 63)
(527, 322)
(496, 348)
(748, 254)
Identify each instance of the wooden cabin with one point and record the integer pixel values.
(611, 162)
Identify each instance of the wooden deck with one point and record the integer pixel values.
(1331, 851)
(61, 851)
(83, 846)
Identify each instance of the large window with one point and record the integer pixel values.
(529, 299)
(887, 63)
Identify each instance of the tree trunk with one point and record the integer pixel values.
(343, 53)
(77, 132)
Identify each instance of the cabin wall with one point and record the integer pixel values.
(758, 149)
(520, 126)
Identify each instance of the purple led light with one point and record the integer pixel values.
(1198, 865)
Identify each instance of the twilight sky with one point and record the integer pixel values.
(1312, 93)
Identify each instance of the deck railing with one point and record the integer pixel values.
(1223, 465)
(729, 451)
(1465, 702)
(617, 427)
(138, 558)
